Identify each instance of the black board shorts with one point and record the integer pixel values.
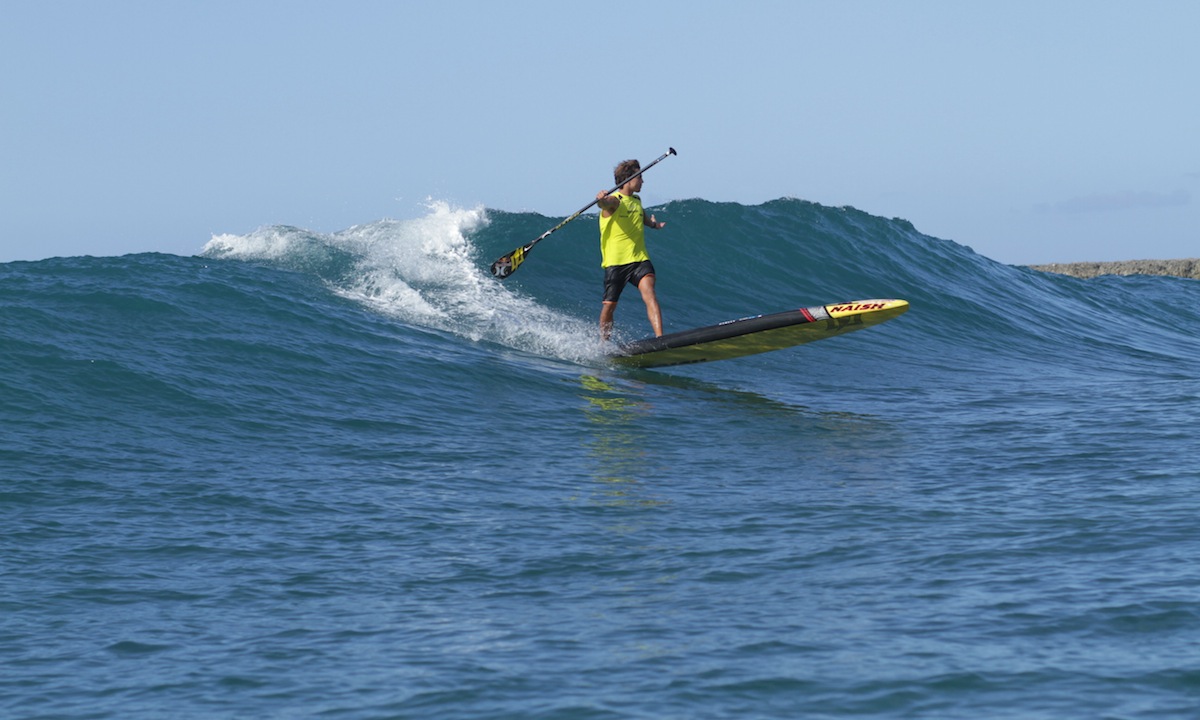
(616, 277)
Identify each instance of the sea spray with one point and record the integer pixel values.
(422, 271)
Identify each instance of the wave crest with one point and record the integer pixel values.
(424, 271)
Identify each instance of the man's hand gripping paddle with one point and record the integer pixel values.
(508, 264)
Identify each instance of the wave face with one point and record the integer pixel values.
(352, 474)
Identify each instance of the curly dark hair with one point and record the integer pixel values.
(626, 170)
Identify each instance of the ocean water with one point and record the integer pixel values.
(351, 475)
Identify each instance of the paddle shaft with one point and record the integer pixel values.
(508, 264)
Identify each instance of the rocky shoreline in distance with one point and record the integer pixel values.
(1178, 268)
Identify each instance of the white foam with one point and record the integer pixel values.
(267, 243)
(425, 272)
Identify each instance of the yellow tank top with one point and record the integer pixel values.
(622, 237)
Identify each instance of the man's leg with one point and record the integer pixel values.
(607, 310)
(646, 287)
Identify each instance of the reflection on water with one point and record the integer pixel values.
(729, 436)
(616, 446)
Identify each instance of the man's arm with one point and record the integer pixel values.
(608, 203)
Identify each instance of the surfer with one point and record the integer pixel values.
(623, 247)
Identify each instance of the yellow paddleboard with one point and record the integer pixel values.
(761, 333)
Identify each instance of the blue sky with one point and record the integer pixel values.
(1030, 131)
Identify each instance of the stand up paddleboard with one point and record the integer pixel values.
(758, 334)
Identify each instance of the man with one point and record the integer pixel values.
(623, 247)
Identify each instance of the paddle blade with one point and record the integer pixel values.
(508, 264)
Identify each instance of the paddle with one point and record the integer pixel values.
(508, 264)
